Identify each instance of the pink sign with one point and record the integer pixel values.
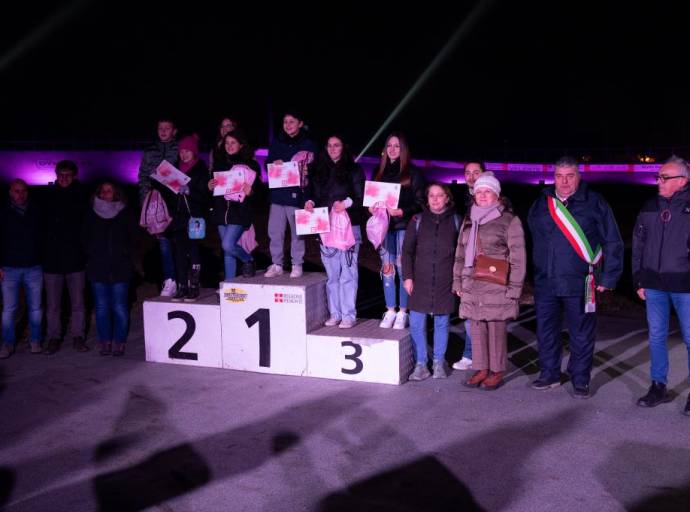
(309, 223)
(170, 176)
(283, 175)
(230, 183)
(381, 194)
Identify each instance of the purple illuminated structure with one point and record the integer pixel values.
(38, 168)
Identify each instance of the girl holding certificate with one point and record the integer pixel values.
(396, 167)
(338, 183)
(231, 216)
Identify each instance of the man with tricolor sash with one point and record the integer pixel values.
(577, 252)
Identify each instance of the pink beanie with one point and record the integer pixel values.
(191, 143)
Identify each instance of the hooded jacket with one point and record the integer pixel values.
(661, 244)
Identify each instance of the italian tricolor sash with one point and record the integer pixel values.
(574, 234)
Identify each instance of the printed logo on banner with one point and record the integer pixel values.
(235, 295)
(287, 298)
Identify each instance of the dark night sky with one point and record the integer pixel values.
(552, 76)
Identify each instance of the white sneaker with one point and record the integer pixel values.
(296, 271)
(169, 288)
(400, 320)
(464, 364)
(347, 323)
(331, 322)
(274, 270)
(388, 320)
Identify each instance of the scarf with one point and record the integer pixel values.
(107, 209)
(185, 166)
(479, 215)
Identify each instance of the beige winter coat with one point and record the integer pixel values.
(500, 238)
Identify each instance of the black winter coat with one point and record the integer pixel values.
(661, 250)
(558, 270)
(326, 187)
(197, 199)
(284, 148)
(226, 212)
(63, 212)
(411, 197)
(428, 257)
(109, 245)
(20, 236)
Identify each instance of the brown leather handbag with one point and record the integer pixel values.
(490, 270)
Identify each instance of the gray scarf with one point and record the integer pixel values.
(479, 215)
(107, 209)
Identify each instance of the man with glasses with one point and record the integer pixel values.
(661, 270)
(574, 232)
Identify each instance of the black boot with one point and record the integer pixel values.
(248, 269)
(181, 293)
(656, 395)
(193, 294)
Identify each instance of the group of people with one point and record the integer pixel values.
(63, 239)
(432, 258)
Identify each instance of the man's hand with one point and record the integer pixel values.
(409, 285)
(602, 288)
(641, 294)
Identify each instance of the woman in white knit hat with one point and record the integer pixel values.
(490, 230)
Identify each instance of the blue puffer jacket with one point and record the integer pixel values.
(558, 270)
(284, 148)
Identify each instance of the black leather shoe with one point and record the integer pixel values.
(581, 392)
(181, 293)
(52, 347)
(542, 384)
(656, 395)
(79, 344)
(686, 411)
(248, 269)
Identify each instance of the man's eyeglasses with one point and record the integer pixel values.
(664, 179)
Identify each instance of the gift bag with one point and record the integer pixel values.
(340, 236)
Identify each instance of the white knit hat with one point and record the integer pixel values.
(488, 181)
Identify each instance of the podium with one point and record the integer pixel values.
(273, 325)
(363, 353)
(184, 332)
(264, 321)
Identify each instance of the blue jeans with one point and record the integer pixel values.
(391, 254)
(418, 332)
(31, 278)
(229, 236)
(658, 313)
(343, 277)
(167, 260)
(467, 351)
(112, 311)
(581, 327)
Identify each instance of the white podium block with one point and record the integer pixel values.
(183, 332)
(363, 353)
(264, 321)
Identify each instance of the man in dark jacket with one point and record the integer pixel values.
(569, 224)
(20, 266)
(661, 270)
(63, 258)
